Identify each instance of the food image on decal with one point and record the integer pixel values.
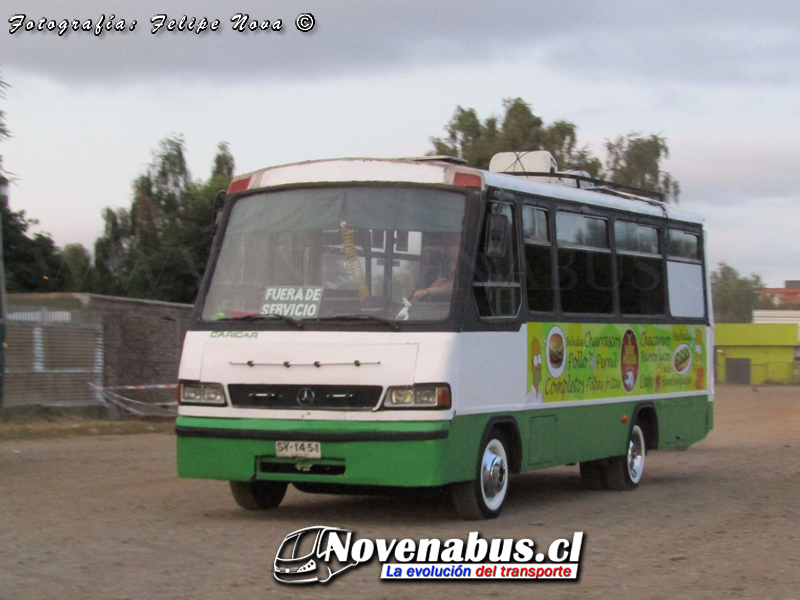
(536, 363)
(556, 350)
(629, 360)
(700, 382)
(682, 359)
(535, 393)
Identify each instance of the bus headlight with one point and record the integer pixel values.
(213, 393)
(427, 395)
(202, 393)
(400, 396)
(192, 392)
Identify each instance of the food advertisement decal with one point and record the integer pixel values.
(586, 361)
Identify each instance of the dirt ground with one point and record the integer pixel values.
(106, 517)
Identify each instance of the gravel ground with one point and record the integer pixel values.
(106, 517)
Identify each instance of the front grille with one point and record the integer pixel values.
(306, 397)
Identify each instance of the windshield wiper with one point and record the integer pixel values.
(383, 320)
(294, 322)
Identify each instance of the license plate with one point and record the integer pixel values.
(298, 449)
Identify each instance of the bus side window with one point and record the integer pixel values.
(640, 269)
(685, 275)
(497, 280)
(584, 264)
(538, 263)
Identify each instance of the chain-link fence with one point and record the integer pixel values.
(79, 350)
(50, 362)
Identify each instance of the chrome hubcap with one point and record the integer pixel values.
(636, 454)
(494, 474)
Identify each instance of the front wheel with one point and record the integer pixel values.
(483, 497)
(625, 472)
(258, 495)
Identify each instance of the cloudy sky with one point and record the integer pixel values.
(719, 79)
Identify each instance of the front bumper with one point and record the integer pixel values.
(406, 454)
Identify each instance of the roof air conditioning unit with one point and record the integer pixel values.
(537, 161)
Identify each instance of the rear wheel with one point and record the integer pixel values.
(484, 496)
(258, 495)
(625, 472)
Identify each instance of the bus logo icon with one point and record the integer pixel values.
(305, 396)
(306, 556)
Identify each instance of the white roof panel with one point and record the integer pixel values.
(407, 170)
(570, 194)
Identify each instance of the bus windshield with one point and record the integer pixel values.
(339, 252)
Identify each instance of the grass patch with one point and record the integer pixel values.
(31, 427)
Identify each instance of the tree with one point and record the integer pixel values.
(631, 160)
(468, 138)
(223, 162)
(159, 247)
(76, 269)
(635, 160)
(31, 263)
(111, 253)
(520, 130)
(734, 296)
(4, 133)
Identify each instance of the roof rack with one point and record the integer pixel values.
(602, 186)
(438, 158)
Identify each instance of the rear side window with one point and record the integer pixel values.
(682, 244)
(685, 275)
(640, 269)
(584, 264)
(538, 258)
(632, 237)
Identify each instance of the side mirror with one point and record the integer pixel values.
(495, 240)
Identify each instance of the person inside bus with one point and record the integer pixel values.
(442, 285)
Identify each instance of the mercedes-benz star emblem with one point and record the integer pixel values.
(305, 396)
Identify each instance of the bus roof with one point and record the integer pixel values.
(427, 171)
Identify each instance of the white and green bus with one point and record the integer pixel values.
(375, 324)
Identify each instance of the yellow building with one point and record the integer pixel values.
(756, 353)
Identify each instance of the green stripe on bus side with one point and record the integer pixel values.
(549, 437)
(573, 434)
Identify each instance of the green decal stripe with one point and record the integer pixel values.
(309, 426)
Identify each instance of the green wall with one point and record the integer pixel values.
(770, 347)
(756, 334)
(767, 364)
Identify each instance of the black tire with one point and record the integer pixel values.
(258, 495)
(483, 497)
(624, 473)
(592, 477)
